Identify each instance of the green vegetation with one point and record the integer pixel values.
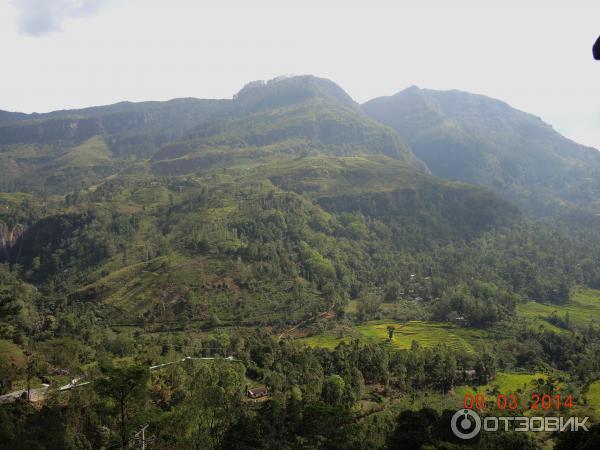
(476, 139)
(506, 383)
(173, 255)
(92, 152)
(11, 353)
(326, 340)
(583, 310)
(427, 334)
(593, 396)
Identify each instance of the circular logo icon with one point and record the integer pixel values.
(465, 424)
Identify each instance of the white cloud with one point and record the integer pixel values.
(39, 17)
(535, 55)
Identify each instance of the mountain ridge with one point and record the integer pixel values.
(458, 135)
(485, 141)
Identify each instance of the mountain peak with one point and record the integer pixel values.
(485, 141)
(285, 90)
(411, 88)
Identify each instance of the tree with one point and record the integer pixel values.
(330, 427)
(369, 306)
(373, 361)
(8, 373)
(413, 429)
(35, 367)
(213, 404)
(563, 294)
(8, 305)
(390, 332)
(392, 292)
(485, 367)
(441, 368)
(579, 440)
(333, 390)
(126, 386)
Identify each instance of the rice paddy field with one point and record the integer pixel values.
(427, 334)
(505, 383)
(583, 309)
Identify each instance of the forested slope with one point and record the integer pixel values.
(484, 141)
(298, 244)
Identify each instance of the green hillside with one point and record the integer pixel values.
(245, 246)
(583, 310)
(291, 116)
(192, 250)
(427, 334)
(484, 141)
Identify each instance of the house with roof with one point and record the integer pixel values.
(258, 392)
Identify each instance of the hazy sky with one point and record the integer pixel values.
(70, 53)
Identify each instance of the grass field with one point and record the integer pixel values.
(352, 307)
(505, 383)
(593, 397)
(428, 334)
(583, 309)
(11, 353)
(14, 197)
(325, 340)
(91, 152)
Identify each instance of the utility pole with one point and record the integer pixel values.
(143, 435)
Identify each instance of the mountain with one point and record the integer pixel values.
(78, 124)
(7, 116)
(484, 141)
(285, 198)
(194, 249)
(263, 244)
(282, 91)
(288, 184)
(50, 152)
(285, 117)
(121, 123)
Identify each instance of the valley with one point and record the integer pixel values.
(363, 266)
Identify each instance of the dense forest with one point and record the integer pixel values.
(283, 270)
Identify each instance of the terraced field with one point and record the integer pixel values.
(505, 383)
(325, 340)
(583, 309)
(428, 334)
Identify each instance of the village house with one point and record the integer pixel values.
(257, 392)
